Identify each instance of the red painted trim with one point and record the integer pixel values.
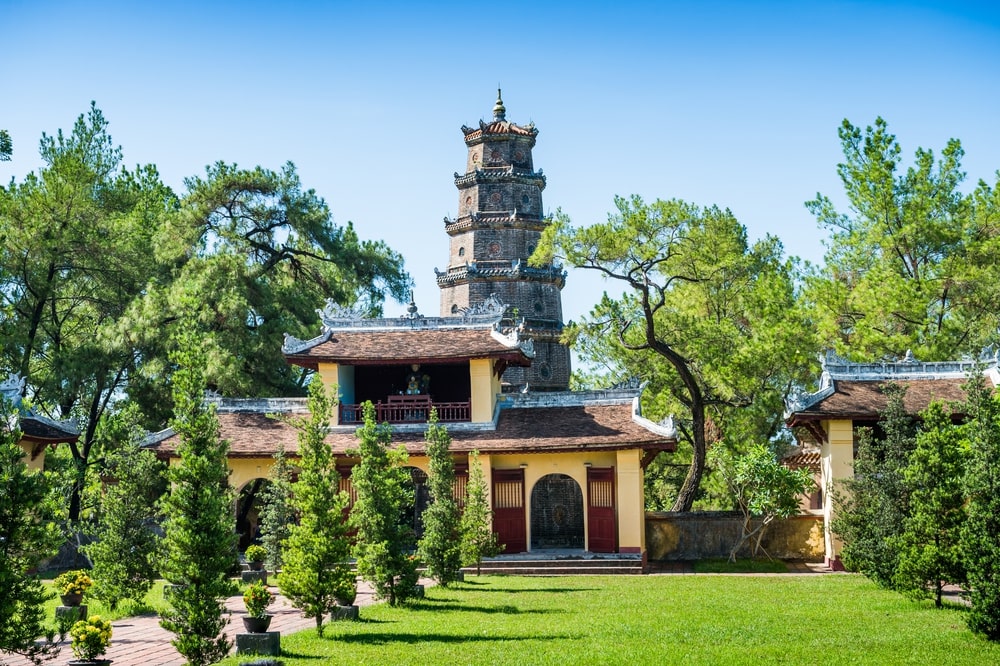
(630, 549)
(835, 564)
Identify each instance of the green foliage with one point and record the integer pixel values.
(276, 513)
(6, 146)
(257, 598)
(91, 637)
(317, 548)
(929, 552)
(708, 318)
(27, 535)
(981, 535)
(384, 490)
(912, 267)
(440, 546)
(872, 507)
(478, 538)
(200, 541)
(78, 237)
(762, 490)
(126, 549)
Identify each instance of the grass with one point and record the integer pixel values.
(739, 566)
(649, 620)
(152, 603)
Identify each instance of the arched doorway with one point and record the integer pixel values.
(413, 515)
(248, 508)
(556, 513)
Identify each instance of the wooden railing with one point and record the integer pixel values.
(409, 409)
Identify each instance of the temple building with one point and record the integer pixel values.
(852, 396)
(38, 432)
(565, 468)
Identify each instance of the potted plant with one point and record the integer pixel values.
(91, 638)
(255, 556)
(257, 598)
(72, 585)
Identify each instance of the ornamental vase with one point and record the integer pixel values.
(257, 625)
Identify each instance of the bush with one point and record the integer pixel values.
(73, 582)
(257, 598)
(91, 637)
(255, 553)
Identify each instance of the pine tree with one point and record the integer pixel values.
(125, 552)
(929, 553)
(277, 513)
(384, 489)
(478, 538)
(981, 536)
(872, 511)
(440, 546)
(317, 548)
(27, 535)
(200, 541)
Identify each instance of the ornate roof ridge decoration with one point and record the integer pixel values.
(293, 345)
(333, 312)
(11, 389)
(634, 383)
(505, 269)
(491, 307)
(259, 405)
(905, 368)
(508, 174)
(594, 397)
(514, 340)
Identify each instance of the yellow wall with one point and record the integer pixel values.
(330, 374)
(484, 389)
(38, 462)
(631, 502)
(837, 463)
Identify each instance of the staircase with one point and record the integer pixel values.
(542, 563)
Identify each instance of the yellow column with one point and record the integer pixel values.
(837, 460)
(631, 502)
(483, 396)
(330, 374)
(38, 462)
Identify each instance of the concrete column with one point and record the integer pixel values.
(837, 463)
(483, 396)
(631, 503)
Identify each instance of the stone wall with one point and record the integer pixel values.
(711, 534)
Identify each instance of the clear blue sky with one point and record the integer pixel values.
(730, 103)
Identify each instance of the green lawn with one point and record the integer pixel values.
(153, 603)
(649, 620)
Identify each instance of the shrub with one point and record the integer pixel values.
(91, 637)
(257, 598)
(73, 582)
(255, 553)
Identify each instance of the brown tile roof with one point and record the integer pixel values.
(40, 429)
(520, 430)
(803, 460)
(497, 127)
(408, 346)
(866, 399)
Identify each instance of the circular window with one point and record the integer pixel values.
(468, 201)
(496, 197)
(525, 199)
(475, 157)
(494, 249)
(461, 251)
(531, 249)
(544, 371)
(519, 155)
(454, 308)
(538, 307)
(496, 155)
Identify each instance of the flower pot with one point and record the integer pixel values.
(71, 599)
(255, 566)
(257, 625)
(89, 662)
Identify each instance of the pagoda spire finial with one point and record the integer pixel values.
(499, 111)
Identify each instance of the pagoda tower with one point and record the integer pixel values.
(500, 220)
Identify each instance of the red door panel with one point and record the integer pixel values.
(603, 532)
(508, 510)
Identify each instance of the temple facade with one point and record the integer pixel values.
(499, 222)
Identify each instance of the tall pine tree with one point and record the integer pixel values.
(317, 548)
(277, 513)
(200, 541)
(478, 538)
(384, 490)
(440, 546)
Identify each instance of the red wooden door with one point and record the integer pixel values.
(603, 531)
(508, 510)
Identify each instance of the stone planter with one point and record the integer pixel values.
(418, 591)
(68, 615)
(71, 599)
(89, 662)
(344, 612)
(257, 625)
(255, 566)
(254, 576)
(267, 643)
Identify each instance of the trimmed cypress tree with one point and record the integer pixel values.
(478, 538)
(317, 548)
(981, 535)
(277, 513)
(929, 553)
(441, 545)
(200, 541)
(384, 490)
(126, 550)
(28, 534)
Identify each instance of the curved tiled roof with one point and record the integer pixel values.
(599, 427)
(865, 399)
(497, 128)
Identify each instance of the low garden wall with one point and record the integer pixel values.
(711, 534)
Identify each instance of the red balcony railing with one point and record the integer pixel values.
(409, 409)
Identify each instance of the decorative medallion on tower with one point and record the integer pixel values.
(499, 223)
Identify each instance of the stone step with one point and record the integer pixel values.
(557, 571)
(528, 567)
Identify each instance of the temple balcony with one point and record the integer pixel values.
(399, 409)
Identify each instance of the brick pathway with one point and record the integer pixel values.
(140, 641)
